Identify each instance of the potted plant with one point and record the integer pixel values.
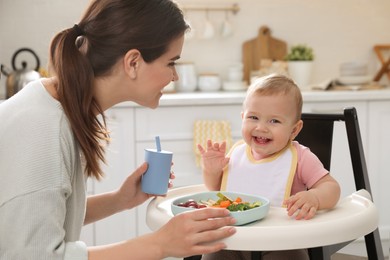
(300, 62)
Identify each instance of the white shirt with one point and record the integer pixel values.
(42, 184)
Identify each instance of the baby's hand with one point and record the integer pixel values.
(213, 157)
(305, 203)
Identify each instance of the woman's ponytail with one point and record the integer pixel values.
(75, 92)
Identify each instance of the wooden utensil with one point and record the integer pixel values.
(385, 63)
(264, 46)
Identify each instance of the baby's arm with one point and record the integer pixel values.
(324, 194)
(213, 162)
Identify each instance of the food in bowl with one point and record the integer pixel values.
(252, 208)
(223, 202)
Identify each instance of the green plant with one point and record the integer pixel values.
(300, 52)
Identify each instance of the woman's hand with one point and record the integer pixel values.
(131, 194)
(195, 232)
(190, 233)
(171, 177)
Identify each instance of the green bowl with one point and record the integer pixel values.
(242, 217)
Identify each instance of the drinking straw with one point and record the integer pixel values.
(158, 144)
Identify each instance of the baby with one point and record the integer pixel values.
(268, 162)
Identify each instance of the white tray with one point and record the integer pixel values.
(353, 217)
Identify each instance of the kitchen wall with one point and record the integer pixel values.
(338, 31)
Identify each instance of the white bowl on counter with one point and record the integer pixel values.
(353, 68)
(354, 80)
(209, 82)
(235, 86)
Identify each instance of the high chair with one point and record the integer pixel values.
(317, 134)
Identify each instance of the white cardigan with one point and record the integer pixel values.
(42, 185)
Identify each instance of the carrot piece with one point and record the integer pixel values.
(224, 204)
(238, 200)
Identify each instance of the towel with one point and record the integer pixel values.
(217, 131)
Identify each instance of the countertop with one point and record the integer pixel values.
(226, 98)
(223, 98)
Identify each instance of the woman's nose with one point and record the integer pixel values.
(175, 75)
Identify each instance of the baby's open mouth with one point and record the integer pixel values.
(261, 140)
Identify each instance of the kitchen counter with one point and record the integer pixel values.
(225, 98)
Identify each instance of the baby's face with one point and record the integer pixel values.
(269, 123)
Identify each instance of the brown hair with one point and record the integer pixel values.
(108, 29)
(276, 84)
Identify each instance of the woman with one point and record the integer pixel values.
(51, 138)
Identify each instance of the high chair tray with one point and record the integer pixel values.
(353, 217)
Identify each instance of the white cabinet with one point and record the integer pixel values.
(120, 162)
(378, 159)
(88, 232)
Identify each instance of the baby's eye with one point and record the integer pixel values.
(274, 121)
(253, 117)
(172, 64)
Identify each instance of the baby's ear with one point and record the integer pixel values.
(296, 129)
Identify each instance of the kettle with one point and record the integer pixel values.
(18, 78)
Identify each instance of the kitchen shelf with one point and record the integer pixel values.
(233, 8)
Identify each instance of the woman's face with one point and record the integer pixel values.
(269, 123)
(153, 77)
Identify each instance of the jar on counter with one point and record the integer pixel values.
(187, 81)
(235, 72)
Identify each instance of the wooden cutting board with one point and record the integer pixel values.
(264, 46)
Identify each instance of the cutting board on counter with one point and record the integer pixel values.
(264, 46)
